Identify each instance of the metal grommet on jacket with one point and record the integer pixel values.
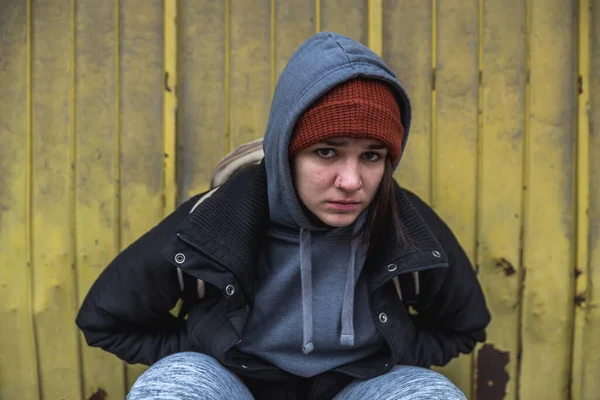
(436, 254)
(383, 318)
(392, 267)
(230, 290)
(179, 258)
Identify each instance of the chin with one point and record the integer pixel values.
(338, 220)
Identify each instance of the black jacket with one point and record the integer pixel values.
(127, 310)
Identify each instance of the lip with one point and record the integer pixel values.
(344, 205)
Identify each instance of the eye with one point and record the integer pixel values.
(372, 156)
(325, 152)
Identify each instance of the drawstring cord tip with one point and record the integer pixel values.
(308, 347)
(347, 340)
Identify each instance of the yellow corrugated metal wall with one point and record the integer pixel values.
(112, 112)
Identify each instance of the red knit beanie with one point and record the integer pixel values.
(359, 108)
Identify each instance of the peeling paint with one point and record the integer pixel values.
(580, 300)
(99, 395)
(492, 375)
(506, 266)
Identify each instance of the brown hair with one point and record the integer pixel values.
(383, 211)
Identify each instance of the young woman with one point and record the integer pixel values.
(309, 260)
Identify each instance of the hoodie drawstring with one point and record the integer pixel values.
(347, 337)
(306, 279)
(347, 316)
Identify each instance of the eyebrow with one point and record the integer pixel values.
(344, 143)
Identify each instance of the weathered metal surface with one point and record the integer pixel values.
(590, 384)
(412, 62)
(202, 109)
(99, 394)
(18, 361)
(141, 88)
(492, 374)
(295, 20)
(170, 106)
(582, 183)
(454, 185)
(375, 26)
(347, 17)
(500, 186)
(250, 70)
(549, 246)
(97, 176)
(53, 189)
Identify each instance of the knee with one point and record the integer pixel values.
(185, 358)
(188, 375)
(181, 367)
(426, 383)
(411, 372)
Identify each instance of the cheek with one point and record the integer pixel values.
(310, 183)
(374, 178)
(302, 179)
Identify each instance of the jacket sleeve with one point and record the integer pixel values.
(127, 310)
(452, 313)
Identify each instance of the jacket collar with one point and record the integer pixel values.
(229, 226)
(414, 248)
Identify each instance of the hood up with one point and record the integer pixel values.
(322, 62)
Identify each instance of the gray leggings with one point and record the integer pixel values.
(192, 376)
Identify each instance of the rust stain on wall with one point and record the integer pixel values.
(492, 376)
(506, 266)
(580, 300)
(99, 395)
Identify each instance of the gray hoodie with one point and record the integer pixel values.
(311, 312)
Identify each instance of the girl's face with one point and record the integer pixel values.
(337, 179)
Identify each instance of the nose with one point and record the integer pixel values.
(348, 178)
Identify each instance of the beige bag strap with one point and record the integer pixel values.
(242, 156)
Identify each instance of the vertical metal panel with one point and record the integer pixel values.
(170, 105)
(347, 17)
(141, 105)
(500, 200)
(53, 185)
(250, 90)
(18, 364)
(454, 194)
(272, 46)
(375, 26)
(411, 61)
(294, 23)
(549, 214)
(590, 385)
(201, 125)
(97, 175)
(583, 197)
